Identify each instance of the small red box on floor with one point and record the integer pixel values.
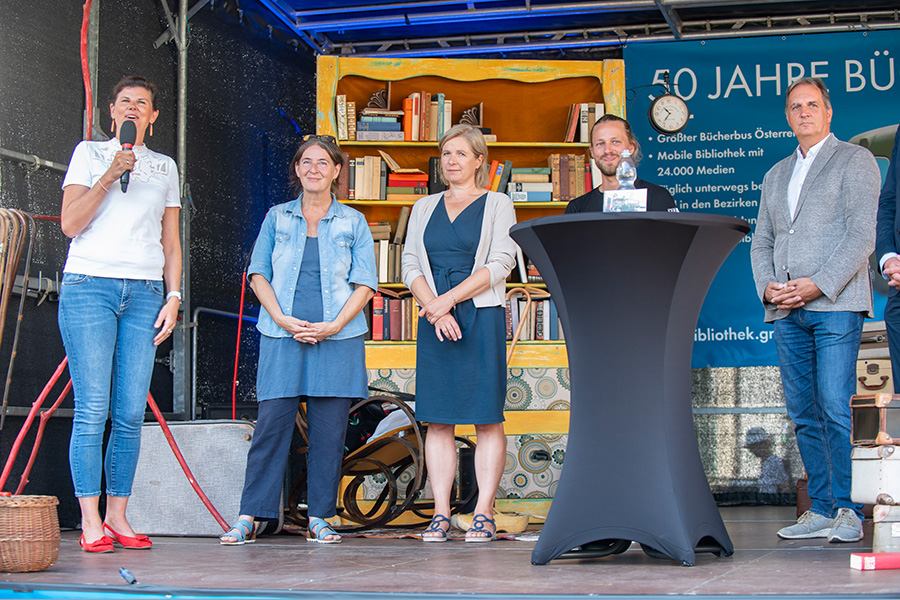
(872, 561)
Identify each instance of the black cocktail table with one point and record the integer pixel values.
(629, 288)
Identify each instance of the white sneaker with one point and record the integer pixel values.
(846, 528)
(809, 525)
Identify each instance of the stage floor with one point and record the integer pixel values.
(761, 565)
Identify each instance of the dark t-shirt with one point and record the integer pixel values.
(658, 199)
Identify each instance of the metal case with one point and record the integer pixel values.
(875, 472)
(886, 529)
(875, 419)
(164, 503)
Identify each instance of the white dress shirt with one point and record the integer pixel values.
(801, 168)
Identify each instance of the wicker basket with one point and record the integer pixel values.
(29, 533)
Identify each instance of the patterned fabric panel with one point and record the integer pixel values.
(747, 442)
(533, 465)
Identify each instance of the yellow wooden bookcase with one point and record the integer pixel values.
(526, 104)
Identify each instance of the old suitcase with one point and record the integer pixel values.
(886, 529)
(163, 501)
(875, 472)
(875, 419)
(874, 375)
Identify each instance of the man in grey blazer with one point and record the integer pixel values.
(814, 234)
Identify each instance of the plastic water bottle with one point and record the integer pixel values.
(626, 172)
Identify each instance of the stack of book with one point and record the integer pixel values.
(381, 230)
(530, 184)
(541, 319)
(387, 261)
(581, 119)
(406, 186)
(379, 125)
(570, 175)
(367, 178)
(346, 118)
(426, 116)
(393, 315)
(388, 250)
(499, 173)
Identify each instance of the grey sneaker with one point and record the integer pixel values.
(809, 525)
(847, 527)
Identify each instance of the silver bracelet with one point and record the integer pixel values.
(103, 186)
(452, 295)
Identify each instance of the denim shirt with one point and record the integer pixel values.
(347, 257)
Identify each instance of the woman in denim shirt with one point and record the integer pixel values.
(313, 270)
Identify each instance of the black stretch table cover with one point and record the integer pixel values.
(629, 288)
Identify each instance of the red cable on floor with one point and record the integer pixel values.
(237, 348)
(35, 407)
(180, 458)
(85, 71)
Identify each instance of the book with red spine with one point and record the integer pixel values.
(395, 306)
(874, 561)
(377, 317)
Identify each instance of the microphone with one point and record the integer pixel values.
(127, 137)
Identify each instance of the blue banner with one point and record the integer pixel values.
(735, 92)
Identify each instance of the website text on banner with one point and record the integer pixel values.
(716, 164)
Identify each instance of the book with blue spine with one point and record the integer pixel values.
(374, 126)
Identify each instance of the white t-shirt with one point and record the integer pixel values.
(124, 239)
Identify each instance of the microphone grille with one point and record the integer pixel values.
(127, 133)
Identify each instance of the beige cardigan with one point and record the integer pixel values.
(496, 250)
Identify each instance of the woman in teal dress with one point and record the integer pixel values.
(313, 270)
(457, 256)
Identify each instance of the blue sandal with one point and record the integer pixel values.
(243, 532)
(319, 530)
(478, 526)
(435, 527)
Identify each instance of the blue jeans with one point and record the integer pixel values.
(817, 354)
(326, 420)
(107, 329)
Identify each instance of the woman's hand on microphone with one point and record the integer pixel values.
(122, 161)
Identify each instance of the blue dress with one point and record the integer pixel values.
(462, 382)
(332, 368)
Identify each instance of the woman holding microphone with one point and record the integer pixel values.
(119, 300)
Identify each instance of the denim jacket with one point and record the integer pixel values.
(348, 257)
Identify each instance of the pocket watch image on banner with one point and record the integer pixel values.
(668, 114)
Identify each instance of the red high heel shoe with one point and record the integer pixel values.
(101, 546)
(138, 542)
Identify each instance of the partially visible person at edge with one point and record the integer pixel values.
(809, 253)
(114, 309)
(887, 249)
(313, 270)
(609, 136)
(457, 256)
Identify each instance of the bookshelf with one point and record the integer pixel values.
(509, 90)
(526, 105)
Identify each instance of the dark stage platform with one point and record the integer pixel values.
(281, 566)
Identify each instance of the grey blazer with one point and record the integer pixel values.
(832, 234)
